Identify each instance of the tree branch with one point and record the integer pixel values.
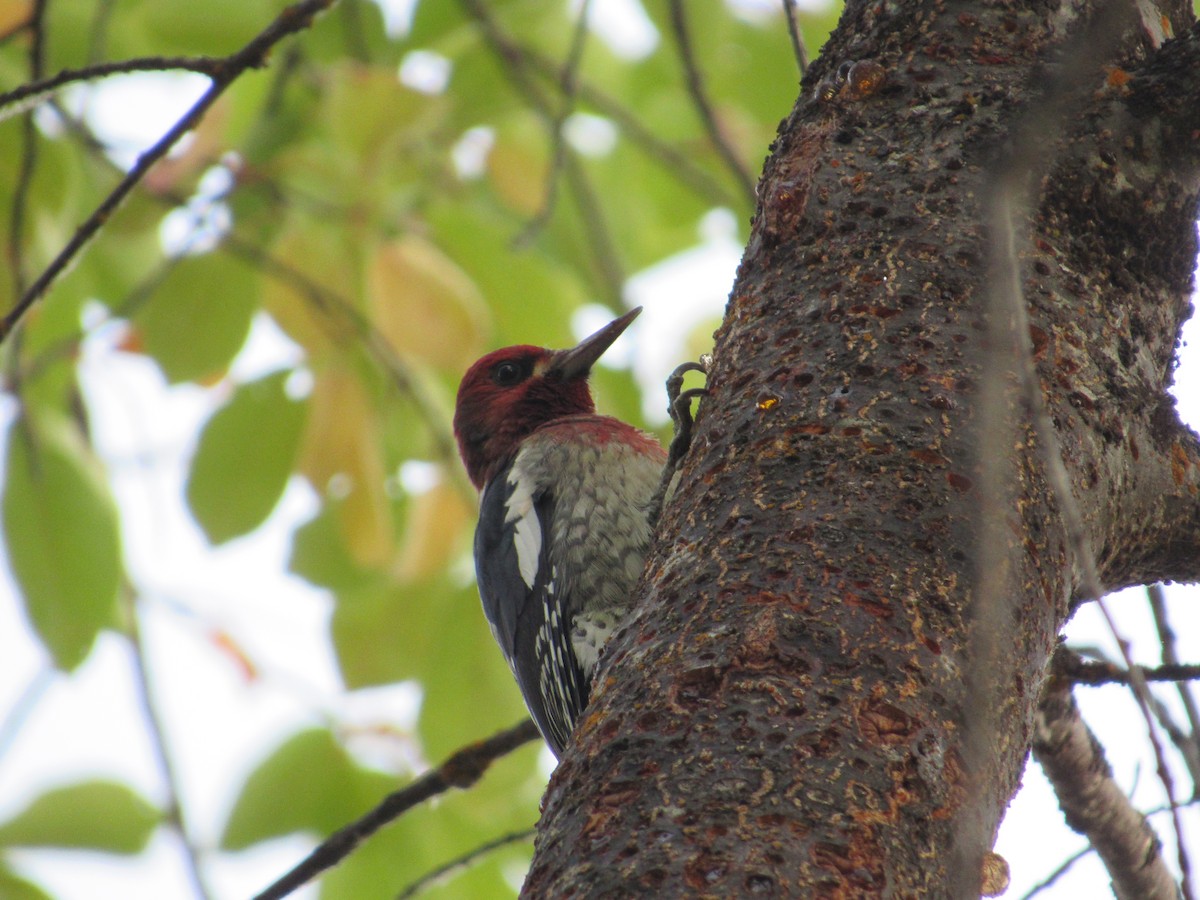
(675, 161)
(695, 85)
(517, 68)
(162, 754)
(461, 770)
(569, 86)
(1187, 741)
(29, 146)
(33, 93)
(425, 882)
(1094, 673)
(1144, 115)
(1092, 802)
(798, 48)
(294, 18)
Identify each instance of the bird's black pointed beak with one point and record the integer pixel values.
(579, 360)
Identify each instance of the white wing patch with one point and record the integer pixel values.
(527, 535)
(590, 631)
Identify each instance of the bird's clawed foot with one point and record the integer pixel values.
(679, 405)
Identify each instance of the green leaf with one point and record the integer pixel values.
(373, 634)
(91, 815)
(216, 27)
(14, 887)
(531, 293)
(352, 28)
(246, 453)
(309, 784)
(198, 319)
(62, 535)
(458, 708)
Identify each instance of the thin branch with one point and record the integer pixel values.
(1075, 857)
(162, 753)
(695, 86)
(294, 18)
(461, 770)
(604, 251)
(24, 705)
(1091, 801)
(675, 161)
(517, 68)
(1058, 873)
(569, 86)
(339, 313)
(29, 148)
(340, 317)
(456, 865)
(98, 32)
(1187, 742)
(1094, 674)
(798, 48)
(34, 92)
(1180, 737)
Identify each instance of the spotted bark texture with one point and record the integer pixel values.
(788, 713)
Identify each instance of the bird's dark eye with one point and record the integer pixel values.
(506, 374)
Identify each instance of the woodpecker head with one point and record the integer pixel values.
(509, 393)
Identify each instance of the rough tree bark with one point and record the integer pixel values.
(789, 713)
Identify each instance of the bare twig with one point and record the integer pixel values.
(461, 770)
(425, 882)
(695, 86)
(341, 318)
(675, 161)
(1058, 873)
(1188, 742)
(798, 48)
(518, 70)
(1093, 674)
(604, 251)
(568, 84)
(344, 320)
(1183, 740)
(162, 754)
(34, 92)
(29, 147)
(25, 704)
(1074, 762)
(98, 32)
(294, 18)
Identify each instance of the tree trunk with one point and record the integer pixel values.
(811, 702)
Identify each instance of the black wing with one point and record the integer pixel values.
(525, 608)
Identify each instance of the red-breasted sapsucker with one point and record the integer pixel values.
(564, 518)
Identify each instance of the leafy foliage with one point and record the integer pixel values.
(62, 535)
(92, 815)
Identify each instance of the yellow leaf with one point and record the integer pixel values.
(425, 305)
(308, 300)
(518, 165)
(13, 13)
(371, 114)
(342, 454)
(436, 520)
